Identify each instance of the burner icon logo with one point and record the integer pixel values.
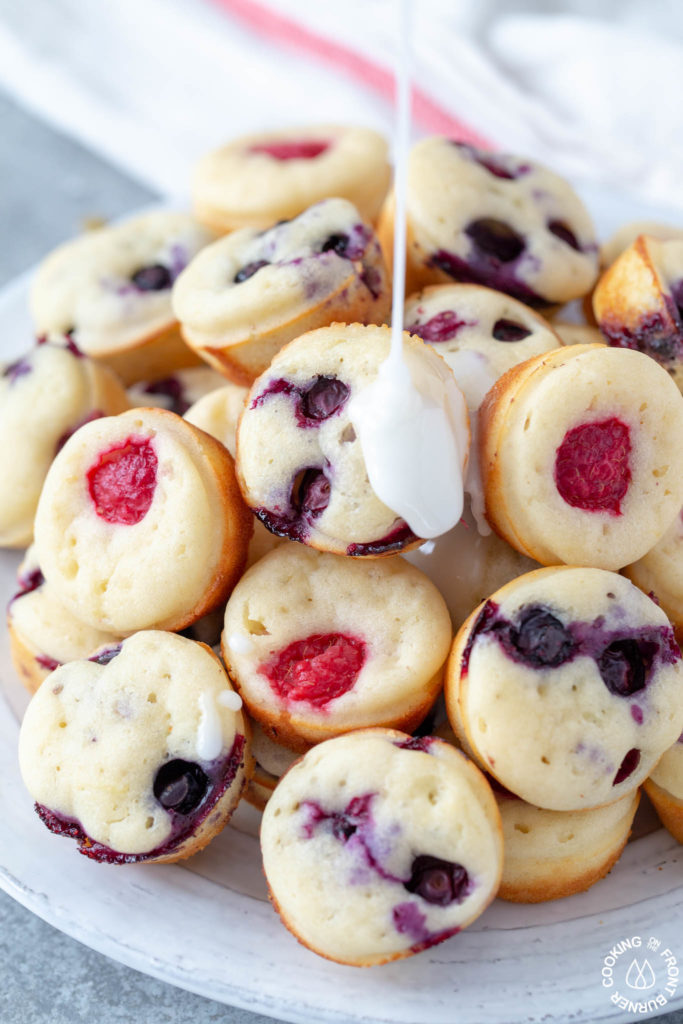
(650, 980)
(640, 976)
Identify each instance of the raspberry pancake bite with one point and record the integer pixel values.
(177, 392)
(43, 633)
(250, 293)
(567, 686)
(111, 291)
(44, 397)
(299, 460)
(493, 219)
(140, 754)
(638, 302)
(479, 332)
(665, 789)
(377, 846)
(580, 456)
(257, 180)
(140, 523)
(317, 644)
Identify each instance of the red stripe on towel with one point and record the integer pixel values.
(428, 114)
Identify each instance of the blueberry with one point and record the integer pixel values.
(336, 243)
(313, 495)
(627, 766)
(104, 657)
(496, 238)
(624, 665)
(508, 330)
(155, 278)
(324, 398)
(437, 881)
(248, 270)
(564, 233)
(180, 786)
(541, 639)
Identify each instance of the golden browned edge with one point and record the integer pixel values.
(565, 878)
(30, 673)
(350, 302)
(497, 409)
(482, 786)
(217, 469)
(668, 807)
(613, 298)
(151, 357)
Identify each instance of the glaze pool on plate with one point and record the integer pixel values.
(206, 925)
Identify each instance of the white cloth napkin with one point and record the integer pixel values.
(151, 84)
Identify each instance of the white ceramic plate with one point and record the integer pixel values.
(207, 926)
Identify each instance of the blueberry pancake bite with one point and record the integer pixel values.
(140, 754)
(566, 685)
(638, 302)
(110, 290)
(45, 396)
(493, 219)
(217, 413)
(659, 573)
(257, 180)
(178, 392)
(552, 854)
(581, 456)
(247, 295)
(665, 789)
(299, 460)
(377, 845)
(479, 332)
(318, 644)
(43, 633)
(140, 523)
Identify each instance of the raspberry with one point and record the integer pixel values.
(592, 466)
(296, 149)
(122, 482)
(318, 669)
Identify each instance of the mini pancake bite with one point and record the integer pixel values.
(580, 456)
(217, 413)
(250, 293)
(299, 460)
(577, 334)
(638, 302)
(271, 762)
(626, 235)
(479, 332)
(493, 219)
(257, 180)
(659, 573)
(377, 846)
(177, 392)
(43, 633)
(45, 396)
(317, 644)
(553, 854)
(139, 754)
(567, 686)
(665, 789)
(140, 523)
(111, 291)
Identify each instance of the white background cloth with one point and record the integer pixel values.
(591, 88)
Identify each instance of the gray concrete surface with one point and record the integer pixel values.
(50, 186)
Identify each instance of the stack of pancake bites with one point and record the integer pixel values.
(216, 604)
